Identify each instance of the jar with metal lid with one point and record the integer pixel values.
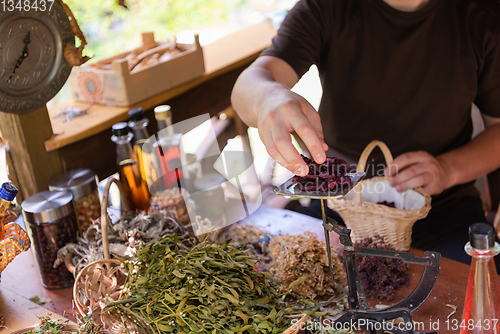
(82, 183)
(51, 224)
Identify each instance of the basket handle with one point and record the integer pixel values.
(362, 164)
(104, 213)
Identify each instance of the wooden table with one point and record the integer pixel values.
(21, 281)
(450, 289)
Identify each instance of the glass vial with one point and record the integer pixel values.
(136, 190)
(7, 194)
(169, 148)
(138, 123)
(482, 300)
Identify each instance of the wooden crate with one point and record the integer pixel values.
(119, 86)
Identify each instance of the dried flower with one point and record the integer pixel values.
(301, 263)
(380, 276)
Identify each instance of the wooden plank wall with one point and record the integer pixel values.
(33, 165)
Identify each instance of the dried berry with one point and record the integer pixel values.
(380, 276)
(323, 177)
(389, 204)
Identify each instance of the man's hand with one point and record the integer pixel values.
(419, 169)
(283, 113)
(263, 99)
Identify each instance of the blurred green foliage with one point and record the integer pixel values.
(110, 28)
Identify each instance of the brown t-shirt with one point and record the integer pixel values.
(406, 78)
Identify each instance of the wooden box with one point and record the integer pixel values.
(116, 81)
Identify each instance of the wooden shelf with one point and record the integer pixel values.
(222, 56)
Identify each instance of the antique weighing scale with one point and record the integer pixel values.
(359, 312)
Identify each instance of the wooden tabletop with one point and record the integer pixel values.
(450, 289)
(223, 55)
(21, 281)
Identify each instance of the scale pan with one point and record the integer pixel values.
(290, 188)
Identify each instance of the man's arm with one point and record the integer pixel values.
(477, 158)
(263, 99)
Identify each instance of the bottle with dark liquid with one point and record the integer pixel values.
(169, 147)
(136, 189)
(482, 300)
(138, 123)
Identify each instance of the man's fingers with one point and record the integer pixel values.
(405, 160)
(283, 142)
(309, 136)
(267, 139)
(408, 174)
(419, 180)
(313, 117)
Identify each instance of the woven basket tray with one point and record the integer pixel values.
(101, 280)
(366, 219)
(15, 240)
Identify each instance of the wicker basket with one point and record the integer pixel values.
(367, 219)
(102, 280)
(104, 226)
(15, 240)
(99, 279)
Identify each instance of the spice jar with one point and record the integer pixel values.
(51, 224)
(82, 183)
(171, 203)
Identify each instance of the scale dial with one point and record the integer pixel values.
(32, 64)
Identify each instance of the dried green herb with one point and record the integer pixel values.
(209, 288)
(48, 325)
(86, 325)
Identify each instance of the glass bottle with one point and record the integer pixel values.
(169, 147)
(482, 300)
(138, 123)
(136, 189)
(7, 194)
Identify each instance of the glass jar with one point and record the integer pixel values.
(51, 224)
(192, 171)
(209, 201)
(171, 203)
(82, 183)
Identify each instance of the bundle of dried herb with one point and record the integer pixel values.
(380, 276)
(86, 325)
(125, 236)
(209, 288)
(301, 263)
(48, 325)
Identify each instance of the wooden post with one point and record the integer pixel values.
(26, 134)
